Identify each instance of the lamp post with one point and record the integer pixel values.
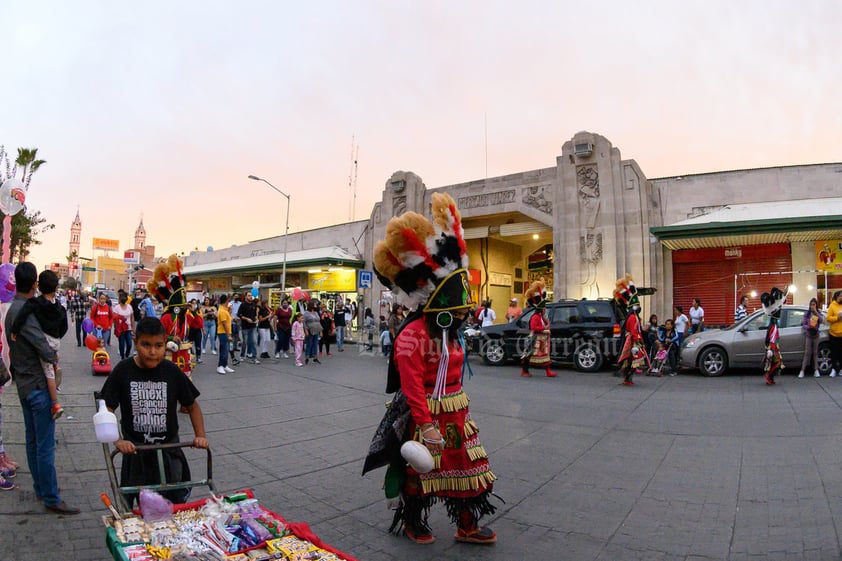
(286, 231)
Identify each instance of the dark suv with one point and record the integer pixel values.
(584, 332)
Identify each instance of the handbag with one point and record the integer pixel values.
(386, 442)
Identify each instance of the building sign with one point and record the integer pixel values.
(333, 281)
(500, 279)
(733, 253)
(107, 245)
(829, 256)
(487, 199)
(131, 257)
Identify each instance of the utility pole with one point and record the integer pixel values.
(352, 179)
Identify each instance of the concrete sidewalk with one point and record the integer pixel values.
(672, 468)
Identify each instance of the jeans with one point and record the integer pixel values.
(311, 346)
(125, 343)
(836, 353)
(106, 336)
(223, 349)
(282, 342)
(79, 333)
(340, 336)
(210, 333)
(41, 445)
(248, 347)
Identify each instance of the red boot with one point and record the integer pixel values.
(551, 374)
(525, 373)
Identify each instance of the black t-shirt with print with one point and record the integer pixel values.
(148, 399)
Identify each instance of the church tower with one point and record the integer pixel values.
(75, 238)
(140, 237)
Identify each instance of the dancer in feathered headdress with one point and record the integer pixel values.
(537, 352)
(168, 285)
(425, 266)
(633, 354)
(772, 302)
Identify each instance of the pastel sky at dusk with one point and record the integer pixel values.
(162, 108)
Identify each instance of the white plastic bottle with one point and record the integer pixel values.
(105, 424)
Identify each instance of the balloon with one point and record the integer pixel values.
(298, 294)
(91, 342)
(12, 196)
(255, 284)
(88, 325)
(7, 282)
(255, 292)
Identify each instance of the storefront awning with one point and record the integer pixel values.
(755, 224)
(331, 256)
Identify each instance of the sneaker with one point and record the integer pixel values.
(235, 362)
(220, 370)
(286, 355)
(62, 508)
(229, 370)
(317, 361)
(298, 364)
(199, 361)
(278, 355)
(264, 355)
(817, 375)
(57, 410)
(482, 535)
(328, 354)
(833, 373)
(6, 485)
(213, 351)
(8, 473)
(801, 374)
(306, 361)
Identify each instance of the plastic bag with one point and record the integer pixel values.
(154, 506)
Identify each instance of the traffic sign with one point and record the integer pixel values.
(365, 279)
(89, 269)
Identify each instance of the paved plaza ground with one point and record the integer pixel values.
(673, 468)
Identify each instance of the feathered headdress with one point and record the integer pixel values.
(536, 294)
(772, 301)
(167, 283)
(426, 263)
(625, 292)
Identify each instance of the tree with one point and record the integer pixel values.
(26, 227)
(27, 160)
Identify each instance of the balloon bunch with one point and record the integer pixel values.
(12, 200)
(7, 281)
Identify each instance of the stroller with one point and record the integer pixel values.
(660, 362)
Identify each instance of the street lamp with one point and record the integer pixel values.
(286, 231)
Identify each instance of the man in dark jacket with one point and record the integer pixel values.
(26, 351)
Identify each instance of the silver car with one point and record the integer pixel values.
(742, 345)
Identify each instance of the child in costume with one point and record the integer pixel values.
(425, 266)
(168, 286)
(633, 355)
(538, 351)
(772, 302)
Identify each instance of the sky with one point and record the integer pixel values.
(161, 109)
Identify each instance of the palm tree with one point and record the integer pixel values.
(27, 160)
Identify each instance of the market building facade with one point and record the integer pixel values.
(580, 225)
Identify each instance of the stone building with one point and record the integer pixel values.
(581, 224)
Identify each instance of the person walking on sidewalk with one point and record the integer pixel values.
(810, 326)
(78, 311)
(297, 332)
(223, 334)
(248, 325)
(209, 313)
(26, 352)
(834, 319)
(339, 325)
(313, 327)
(283, 329)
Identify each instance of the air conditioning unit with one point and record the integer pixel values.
(583, 150)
